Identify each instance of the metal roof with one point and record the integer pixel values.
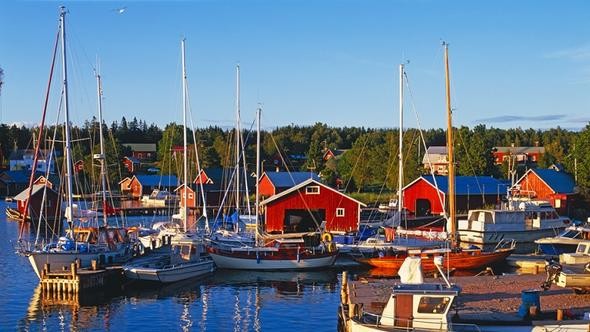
(23, 195)
(303, 184)
(158, 180)
(141, 147)
(560, 182)
(290, 179)
(469, 185)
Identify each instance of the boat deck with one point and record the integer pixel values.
(488, 297)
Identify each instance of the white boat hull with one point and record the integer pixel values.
(172, 274)
(239, 263)
(492, 238)
(58, 260)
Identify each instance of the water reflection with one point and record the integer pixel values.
(227, 300)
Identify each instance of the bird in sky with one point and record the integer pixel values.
(120, 10)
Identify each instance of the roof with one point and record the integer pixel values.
(520, 149)
(289, 179)
(560, 182)
(19, 154)
(303, 184)
(436, 154)
(20, 176)
(23, 195)
(145, 147)
(467, 185)
(158, 180)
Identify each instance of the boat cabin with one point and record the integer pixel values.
(581, 256)
(416, 306)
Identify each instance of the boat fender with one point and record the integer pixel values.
(327, 237)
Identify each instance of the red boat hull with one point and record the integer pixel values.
(461, 260)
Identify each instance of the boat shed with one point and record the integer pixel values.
(308, 206)
(140, 185)
(272, 183)
(552, 185)
(50, 209)
(427, 194)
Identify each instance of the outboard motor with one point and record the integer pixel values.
(553, 269)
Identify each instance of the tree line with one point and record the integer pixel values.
(369, 163)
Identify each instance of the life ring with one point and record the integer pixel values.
(327, 237)
(332, 247)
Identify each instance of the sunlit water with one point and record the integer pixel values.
(225, 301)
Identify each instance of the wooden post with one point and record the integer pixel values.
(94, 265)
(559, 314)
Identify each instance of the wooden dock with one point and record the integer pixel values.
(74, 280)
(481, 298)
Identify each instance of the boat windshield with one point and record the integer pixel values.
(572, 234)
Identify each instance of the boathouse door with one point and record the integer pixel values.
(403, 310)
(423, 207)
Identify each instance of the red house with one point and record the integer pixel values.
(551, 185)
(521, 154)
(309, 205)
(131, 164)
(187, 194)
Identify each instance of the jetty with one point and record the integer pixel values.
(482, 298)
(76, 280)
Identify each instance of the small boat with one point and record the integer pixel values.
(184, 260)
(566, 242)
(413, 305)
(454, 259)
(580, 256)
(279, 254)
(522, 220)
(159, 198)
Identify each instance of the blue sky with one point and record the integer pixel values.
(513, 63)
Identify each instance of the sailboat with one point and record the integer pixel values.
(186, 258)
(273, 254)
(106, 245)
(454, 257)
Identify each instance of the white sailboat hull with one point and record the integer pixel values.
(240, 263)
(493, 237)
(58, 260)
(171, 274)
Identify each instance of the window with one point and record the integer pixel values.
(312, 190)
(558, 203)
(339, 212)
(190, 196)
(433, 305)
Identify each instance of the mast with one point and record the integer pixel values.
(258, 111)
(102, 156)
(238, 139)
(68, 146)
(450, 154)
(184, 208)
(400, 167)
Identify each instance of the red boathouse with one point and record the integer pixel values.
(309, 205)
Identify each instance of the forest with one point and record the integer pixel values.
(368, 163)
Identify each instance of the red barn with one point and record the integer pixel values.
(131, 164)
(307, 206)
(427, 194)
(551, 185)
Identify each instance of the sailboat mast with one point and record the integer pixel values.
(238, 139)
(450, 154)
(400, 167)
(258, 111)
(184, 212)
(102, 156)
(68, 146)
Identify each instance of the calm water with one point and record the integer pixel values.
(225, 301)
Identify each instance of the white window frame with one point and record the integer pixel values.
(312, 190)
(340, 212)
